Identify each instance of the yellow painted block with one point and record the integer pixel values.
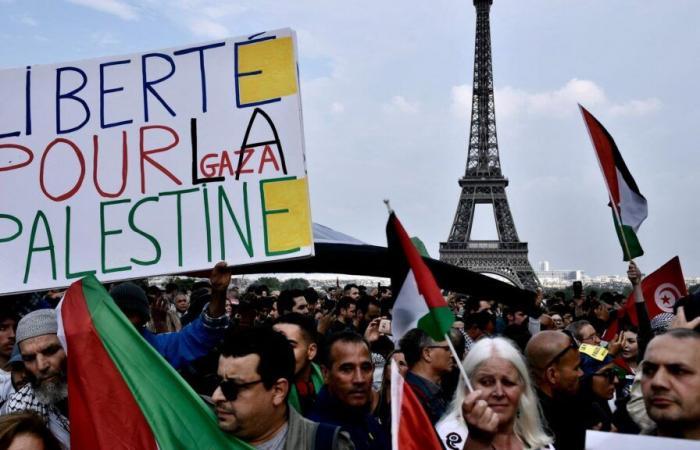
(274, 58)
(287, 215)
(594, 351)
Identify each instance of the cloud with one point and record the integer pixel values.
(104, 38)
(636, 107)
(208, 28)
(399, 104)
(27, 20)
(115, 7)
(337, 108)
(557, 103)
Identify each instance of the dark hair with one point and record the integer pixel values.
(260, 288)
(9, 312)
(171, 288)
(412, 344)
(344, 303)
(311, 295)
(201, 284)
(275, 352)
(305, 323)
(344, 336)
(479, 320)
(26, 422)
(363, 304)
(350, 286)
(285, 302)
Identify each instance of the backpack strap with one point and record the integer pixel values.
(326, 436)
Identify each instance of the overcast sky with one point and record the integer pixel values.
(386, 90)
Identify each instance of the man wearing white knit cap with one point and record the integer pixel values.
(45, 360)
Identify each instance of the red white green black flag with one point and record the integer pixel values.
(629, 205)
(123, 394)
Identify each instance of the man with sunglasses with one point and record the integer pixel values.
(553, 357)
(256, 368)
(428, 363)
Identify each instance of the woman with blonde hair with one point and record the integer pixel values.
(503, 411)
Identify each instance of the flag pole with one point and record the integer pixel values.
(459, 363)
(447, 337)
(616, 213)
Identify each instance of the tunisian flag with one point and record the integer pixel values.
(122, 393)
(661, 290)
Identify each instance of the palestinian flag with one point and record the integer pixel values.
(661, 290)
(122, 393)
(419, 303)
(630, 206)
(410, 427)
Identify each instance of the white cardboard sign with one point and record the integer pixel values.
(152, 163)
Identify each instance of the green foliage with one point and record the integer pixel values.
(272, 283)
(295, 283)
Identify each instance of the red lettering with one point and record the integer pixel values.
(225, 162)
(125, 167)
(145, 154)
(30, 157)
(247, 154)
(208, 170)
(266, 159)
(81, 160)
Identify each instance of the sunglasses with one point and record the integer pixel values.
(610, 374)
(572, 346)
(230, 388)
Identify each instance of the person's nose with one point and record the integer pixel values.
(218, 396)
(498, 390)
(42, 363)
(660, 379)
(357, 376)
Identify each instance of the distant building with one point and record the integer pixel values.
(544, 266)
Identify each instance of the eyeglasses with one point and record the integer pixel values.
(230, 388)
(572, 346)
(444, 347)
(610, 374)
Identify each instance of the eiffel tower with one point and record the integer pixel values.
(483, 182)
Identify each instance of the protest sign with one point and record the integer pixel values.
(599, 440)
(153, 163)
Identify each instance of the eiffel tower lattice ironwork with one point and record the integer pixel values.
(483, 182)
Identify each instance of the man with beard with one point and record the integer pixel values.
(45, 360)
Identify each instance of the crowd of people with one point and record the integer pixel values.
(310, 369)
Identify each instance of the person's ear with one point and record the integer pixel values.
(311, 351)
(326, 373)
(426, 356)
(551, 374)
(279, 391)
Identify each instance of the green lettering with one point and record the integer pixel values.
(69, 274)
(207, 221)
(104, 233)
(19, 227)
(247, 241)
(40, 215)
(178, 195)
(138, 230)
